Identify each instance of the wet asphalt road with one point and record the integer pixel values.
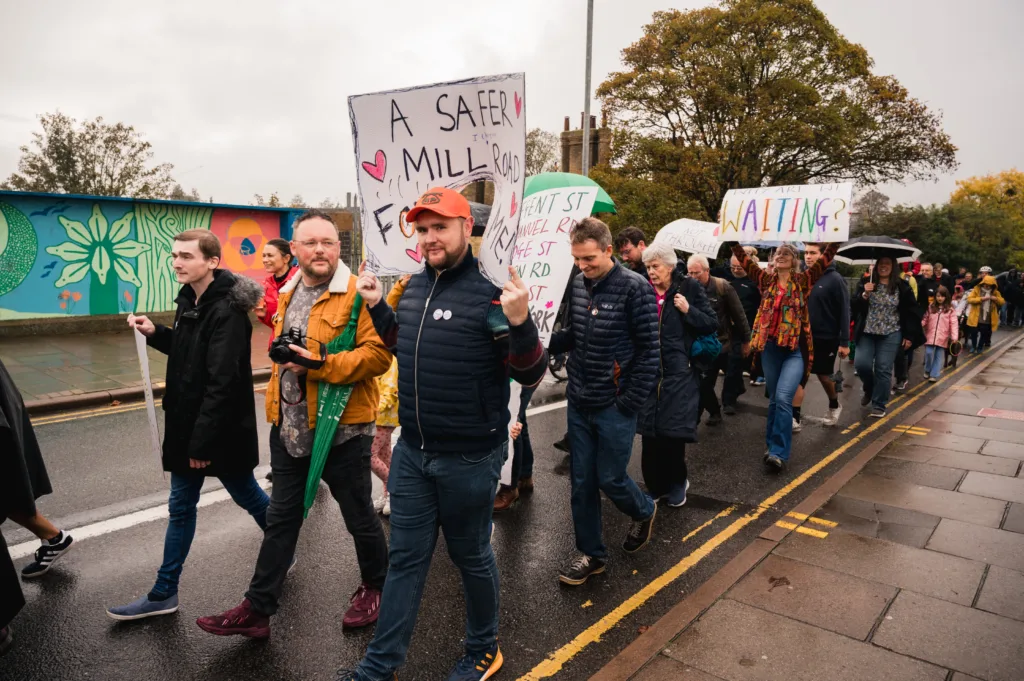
(101, 468)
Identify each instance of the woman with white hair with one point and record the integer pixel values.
(782, 334)
(668, 420)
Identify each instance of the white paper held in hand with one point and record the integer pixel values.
(147, 386)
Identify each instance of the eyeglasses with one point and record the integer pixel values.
(326, 243)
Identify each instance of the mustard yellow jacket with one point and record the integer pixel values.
(974, 303)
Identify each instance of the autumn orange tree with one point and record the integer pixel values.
(1001, 198)
(756, 93)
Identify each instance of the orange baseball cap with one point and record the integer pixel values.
(441, 200)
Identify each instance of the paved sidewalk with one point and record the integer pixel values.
(56, 368)
(913, 570)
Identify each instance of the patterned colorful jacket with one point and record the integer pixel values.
(795, 326)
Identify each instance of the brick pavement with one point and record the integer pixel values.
(913, 570)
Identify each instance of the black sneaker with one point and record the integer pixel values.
(580, 569)
(46, 555)
(865, 400)
(563, 444)
(901, 385)
(714, 420)
(877, 413)
(773, 463)
(5, 640)
(639, 533)
(729, 410)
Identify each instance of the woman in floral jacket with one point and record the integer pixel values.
(782, 334)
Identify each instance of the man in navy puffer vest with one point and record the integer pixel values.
(613, 367)
(458, 339)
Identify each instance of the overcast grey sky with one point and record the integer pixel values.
(247, 97)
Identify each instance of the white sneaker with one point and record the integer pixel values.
(832, 415)
(386, 510)
(378, 503)
(797, 426)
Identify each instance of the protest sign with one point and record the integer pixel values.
(147, 387)
(690, 236)
(810, 212)
(444, 135)
(542, 255)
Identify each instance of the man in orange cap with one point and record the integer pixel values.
(458, 338)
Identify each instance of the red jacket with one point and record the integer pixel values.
(271, 289)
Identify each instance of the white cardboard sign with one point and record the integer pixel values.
(809, 212)
(690, 236)
(443, 135)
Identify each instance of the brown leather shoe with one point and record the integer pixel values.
(526, 485)
(505, 498)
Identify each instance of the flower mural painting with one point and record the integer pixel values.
(92, 251)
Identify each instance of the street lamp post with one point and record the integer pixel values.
(586, 94)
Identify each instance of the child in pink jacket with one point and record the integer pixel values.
(941, 328)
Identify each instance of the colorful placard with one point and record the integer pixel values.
(810, 212)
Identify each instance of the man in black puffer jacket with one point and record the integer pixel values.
(613, 367)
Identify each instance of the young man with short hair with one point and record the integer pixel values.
(630, 244)
(209, 404)
(613, 367)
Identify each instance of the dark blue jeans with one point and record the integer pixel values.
(453, 492)
(876, 356)
(522, 451)
(181, 524)
(601, 442)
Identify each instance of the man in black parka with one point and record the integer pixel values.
(209, 404)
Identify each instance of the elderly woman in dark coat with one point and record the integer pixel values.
(669, 418)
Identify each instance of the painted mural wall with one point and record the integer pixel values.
(75, 256)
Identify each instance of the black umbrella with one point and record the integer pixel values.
(865, 250)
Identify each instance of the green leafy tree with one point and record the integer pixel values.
(542, 152)
(179, 194)
(92, 157)
(762, 92)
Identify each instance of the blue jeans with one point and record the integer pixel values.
(601, 444)
(934, 357)
(876, 355)
(181, 524)
(783, 371)
(453, 492)
(522, 451)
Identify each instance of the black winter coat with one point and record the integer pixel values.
(613, 341)
(209, 404)
(910, 314)
(23, 476)
(673, 407)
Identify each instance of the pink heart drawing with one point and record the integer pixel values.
(377, 169)
(550, 304)
(415, 254)
(519, 103)
(512, 211)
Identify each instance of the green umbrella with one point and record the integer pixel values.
(542, 181)
(331, 402)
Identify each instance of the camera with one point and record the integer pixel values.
(280, 353)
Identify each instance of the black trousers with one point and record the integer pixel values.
(347, 473)
(663, 462)
(729, 360)
(981, 336)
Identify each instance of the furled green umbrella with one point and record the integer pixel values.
(331, 402)
(542, 181)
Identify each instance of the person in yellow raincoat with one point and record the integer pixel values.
(983, 303)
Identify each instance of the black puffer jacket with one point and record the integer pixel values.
(673, 407)
(910, 313)
(613, 341)
(209, 404)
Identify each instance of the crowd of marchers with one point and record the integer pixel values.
(647, 337)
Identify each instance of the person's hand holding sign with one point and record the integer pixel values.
(515, 299)
(368, 286)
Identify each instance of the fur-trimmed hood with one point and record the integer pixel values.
(245, 293)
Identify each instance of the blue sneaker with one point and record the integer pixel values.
(677, 496)
(478, 667)
(142, 607)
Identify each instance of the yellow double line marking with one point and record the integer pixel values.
(592, 634)
(809, 531)
(911, 430)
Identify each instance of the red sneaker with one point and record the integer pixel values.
(238, 621)
(364, 609)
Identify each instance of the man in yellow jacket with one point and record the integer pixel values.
(317, 303)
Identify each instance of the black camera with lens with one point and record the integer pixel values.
(280, 353)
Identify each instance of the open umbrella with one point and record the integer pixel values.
(331, 402)
(865, 250)
(542, 181)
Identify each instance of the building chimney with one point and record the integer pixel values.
(593, 122)
(566, 126)
(604, 119)
(348, 199)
